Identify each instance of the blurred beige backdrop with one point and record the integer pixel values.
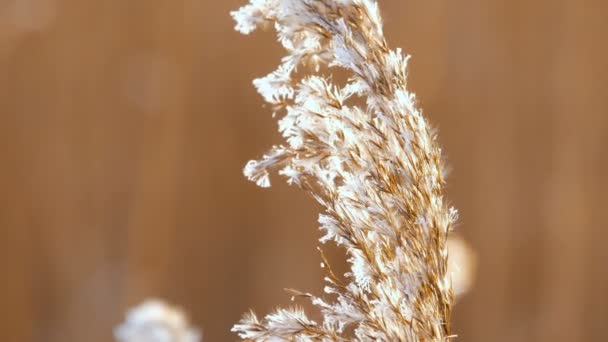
(124, 126)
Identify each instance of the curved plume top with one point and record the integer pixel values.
(367, 155)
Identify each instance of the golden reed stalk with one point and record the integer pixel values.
(364, 151)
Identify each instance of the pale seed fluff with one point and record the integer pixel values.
(462, 265)
(366, 154)
(156, 321)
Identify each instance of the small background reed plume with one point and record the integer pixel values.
(363, 150)
(156, 321)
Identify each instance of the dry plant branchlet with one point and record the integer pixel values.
(375, 168)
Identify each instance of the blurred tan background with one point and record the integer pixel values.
(125, 124)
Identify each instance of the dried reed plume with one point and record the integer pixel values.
(375, 168)
(156, 321)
